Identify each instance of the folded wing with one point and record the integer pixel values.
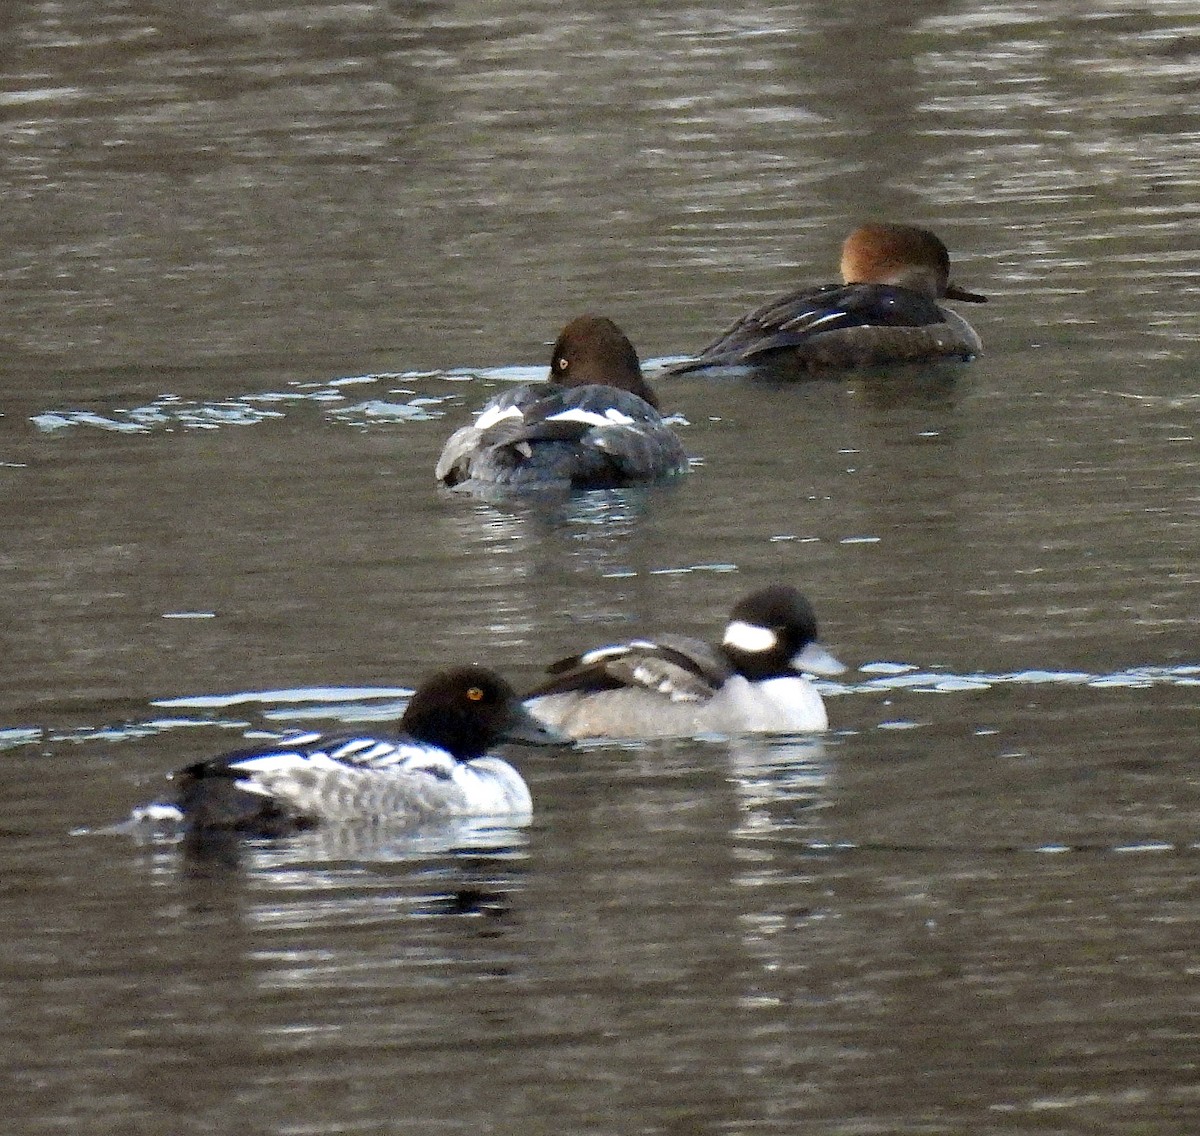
(675, 667)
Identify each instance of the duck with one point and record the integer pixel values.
(885, 311)
(595, 424)
(669, 685)
(435, 767)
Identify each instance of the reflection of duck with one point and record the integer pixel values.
(885, 311)
(437, 767)
(468, 840)
(782, 782)
(673, 686)
(594, 425)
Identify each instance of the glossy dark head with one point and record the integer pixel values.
(593, 350)
(773, 632)
(904, 256)
(469, 709)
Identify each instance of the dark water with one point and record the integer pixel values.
(259, 259)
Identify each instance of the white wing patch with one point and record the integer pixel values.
(663, 682)
(354, 746)
(599, 654)
(490, 415)
(610, 417)
(812, 324)
(353, 753)
(283, 762)
(367, 751)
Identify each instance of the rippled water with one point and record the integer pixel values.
(260, 259)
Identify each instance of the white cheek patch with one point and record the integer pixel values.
(750, 637)
(494, 414)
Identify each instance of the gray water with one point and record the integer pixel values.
(259, 260)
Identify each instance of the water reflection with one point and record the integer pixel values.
(235, 204)
(374, 841)
(531, 557)
(283, 969)
(781, 784)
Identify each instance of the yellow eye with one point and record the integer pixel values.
(475, 694)
(563, 363)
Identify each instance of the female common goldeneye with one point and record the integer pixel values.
(594, 425)
(436, 767)
(675, 686)
(886, 311)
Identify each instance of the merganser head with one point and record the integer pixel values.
(904, 256)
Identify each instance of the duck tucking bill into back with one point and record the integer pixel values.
(885, 311)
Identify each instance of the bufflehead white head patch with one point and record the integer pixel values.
(749, 637)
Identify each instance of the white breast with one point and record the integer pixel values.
(776, 705)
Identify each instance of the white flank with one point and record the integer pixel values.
(750, 637)
(432, 762)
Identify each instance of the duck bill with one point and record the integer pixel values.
(524, 727)
(954, 292)
(815, 659)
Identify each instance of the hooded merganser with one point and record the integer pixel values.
(885, 311)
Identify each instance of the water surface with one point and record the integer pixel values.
(258, 262)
